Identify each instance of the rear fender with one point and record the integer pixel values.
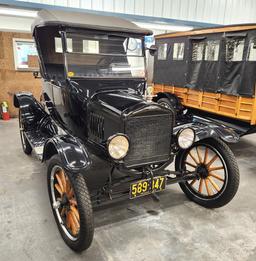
(210, 130)
(73, 154)
(31, 111)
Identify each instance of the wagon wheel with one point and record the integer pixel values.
(211, 169)
(65, 203)
(71, 205)
(217, 169)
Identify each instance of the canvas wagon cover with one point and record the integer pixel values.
(220, 76)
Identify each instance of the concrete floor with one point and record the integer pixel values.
(172, 229)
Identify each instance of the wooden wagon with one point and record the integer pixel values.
(213, 70)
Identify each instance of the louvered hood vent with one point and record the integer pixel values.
(97, 125)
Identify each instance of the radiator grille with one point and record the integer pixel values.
(150, 139)
(97, 125)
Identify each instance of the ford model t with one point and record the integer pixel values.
(100, 138)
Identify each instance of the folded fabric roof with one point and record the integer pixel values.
(87, 21)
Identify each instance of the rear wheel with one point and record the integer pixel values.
(71, 205)
(218, 173)
(24, 141)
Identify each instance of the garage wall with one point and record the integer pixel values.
(207, 11)
(12, 81)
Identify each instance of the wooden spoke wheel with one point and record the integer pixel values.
(71, 205)
(211, 168)
(218, 175)
(65, 203)
(24, 141)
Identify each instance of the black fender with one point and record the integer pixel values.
(208, 129)
(72, 152)
(22, 99)
(174, 100)
(31, 111)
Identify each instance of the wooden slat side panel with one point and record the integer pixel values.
(231, 106)
(246, 107)
(228, 97)
(210, 100)
(208, 106)
(244, 115)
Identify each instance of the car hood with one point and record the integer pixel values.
(126, 102)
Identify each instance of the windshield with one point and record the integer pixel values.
(105, 56)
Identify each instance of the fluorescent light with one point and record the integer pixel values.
(18, 12)
(164, 26)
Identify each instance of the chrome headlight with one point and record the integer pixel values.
(186, 138)
(118, 146)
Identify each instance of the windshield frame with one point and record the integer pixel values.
(64, 37)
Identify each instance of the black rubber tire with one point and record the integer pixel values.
(24, 141)
(232, 182)
(166, 101)
(85, 236)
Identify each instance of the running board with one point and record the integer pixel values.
(36, 140)
(39, 152)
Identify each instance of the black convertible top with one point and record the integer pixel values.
(87, 21)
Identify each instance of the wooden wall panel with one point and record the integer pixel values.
(12, 81)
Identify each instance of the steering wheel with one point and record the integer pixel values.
(109, 61)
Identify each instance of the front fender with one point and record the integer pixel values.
(72, 152)
(207, 129)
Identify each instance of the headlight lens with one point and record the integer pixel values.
(186, 138)
(118, 146)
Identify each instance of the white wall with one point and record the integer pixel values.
(12, 24)
(209, 11)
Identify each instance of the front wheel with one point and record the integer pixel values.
(217, 169)
(71, 205)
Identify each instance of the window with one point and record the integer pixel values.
(178, 51)
(90, 46)
(162, 52)
(25, 54)
(198, 51)
(252, 50)
(234, 50)
(105, 56)
(212, 50)
(133, 47)
(58, 45)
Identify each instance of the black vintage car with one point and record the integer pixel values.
(100, 138)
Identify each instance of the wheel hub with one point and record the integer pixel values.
(64, 200)
(202, 170)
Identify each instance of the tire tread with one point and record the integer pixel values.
(82, 194)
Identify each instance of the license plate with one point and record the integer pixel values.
(146, 186)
